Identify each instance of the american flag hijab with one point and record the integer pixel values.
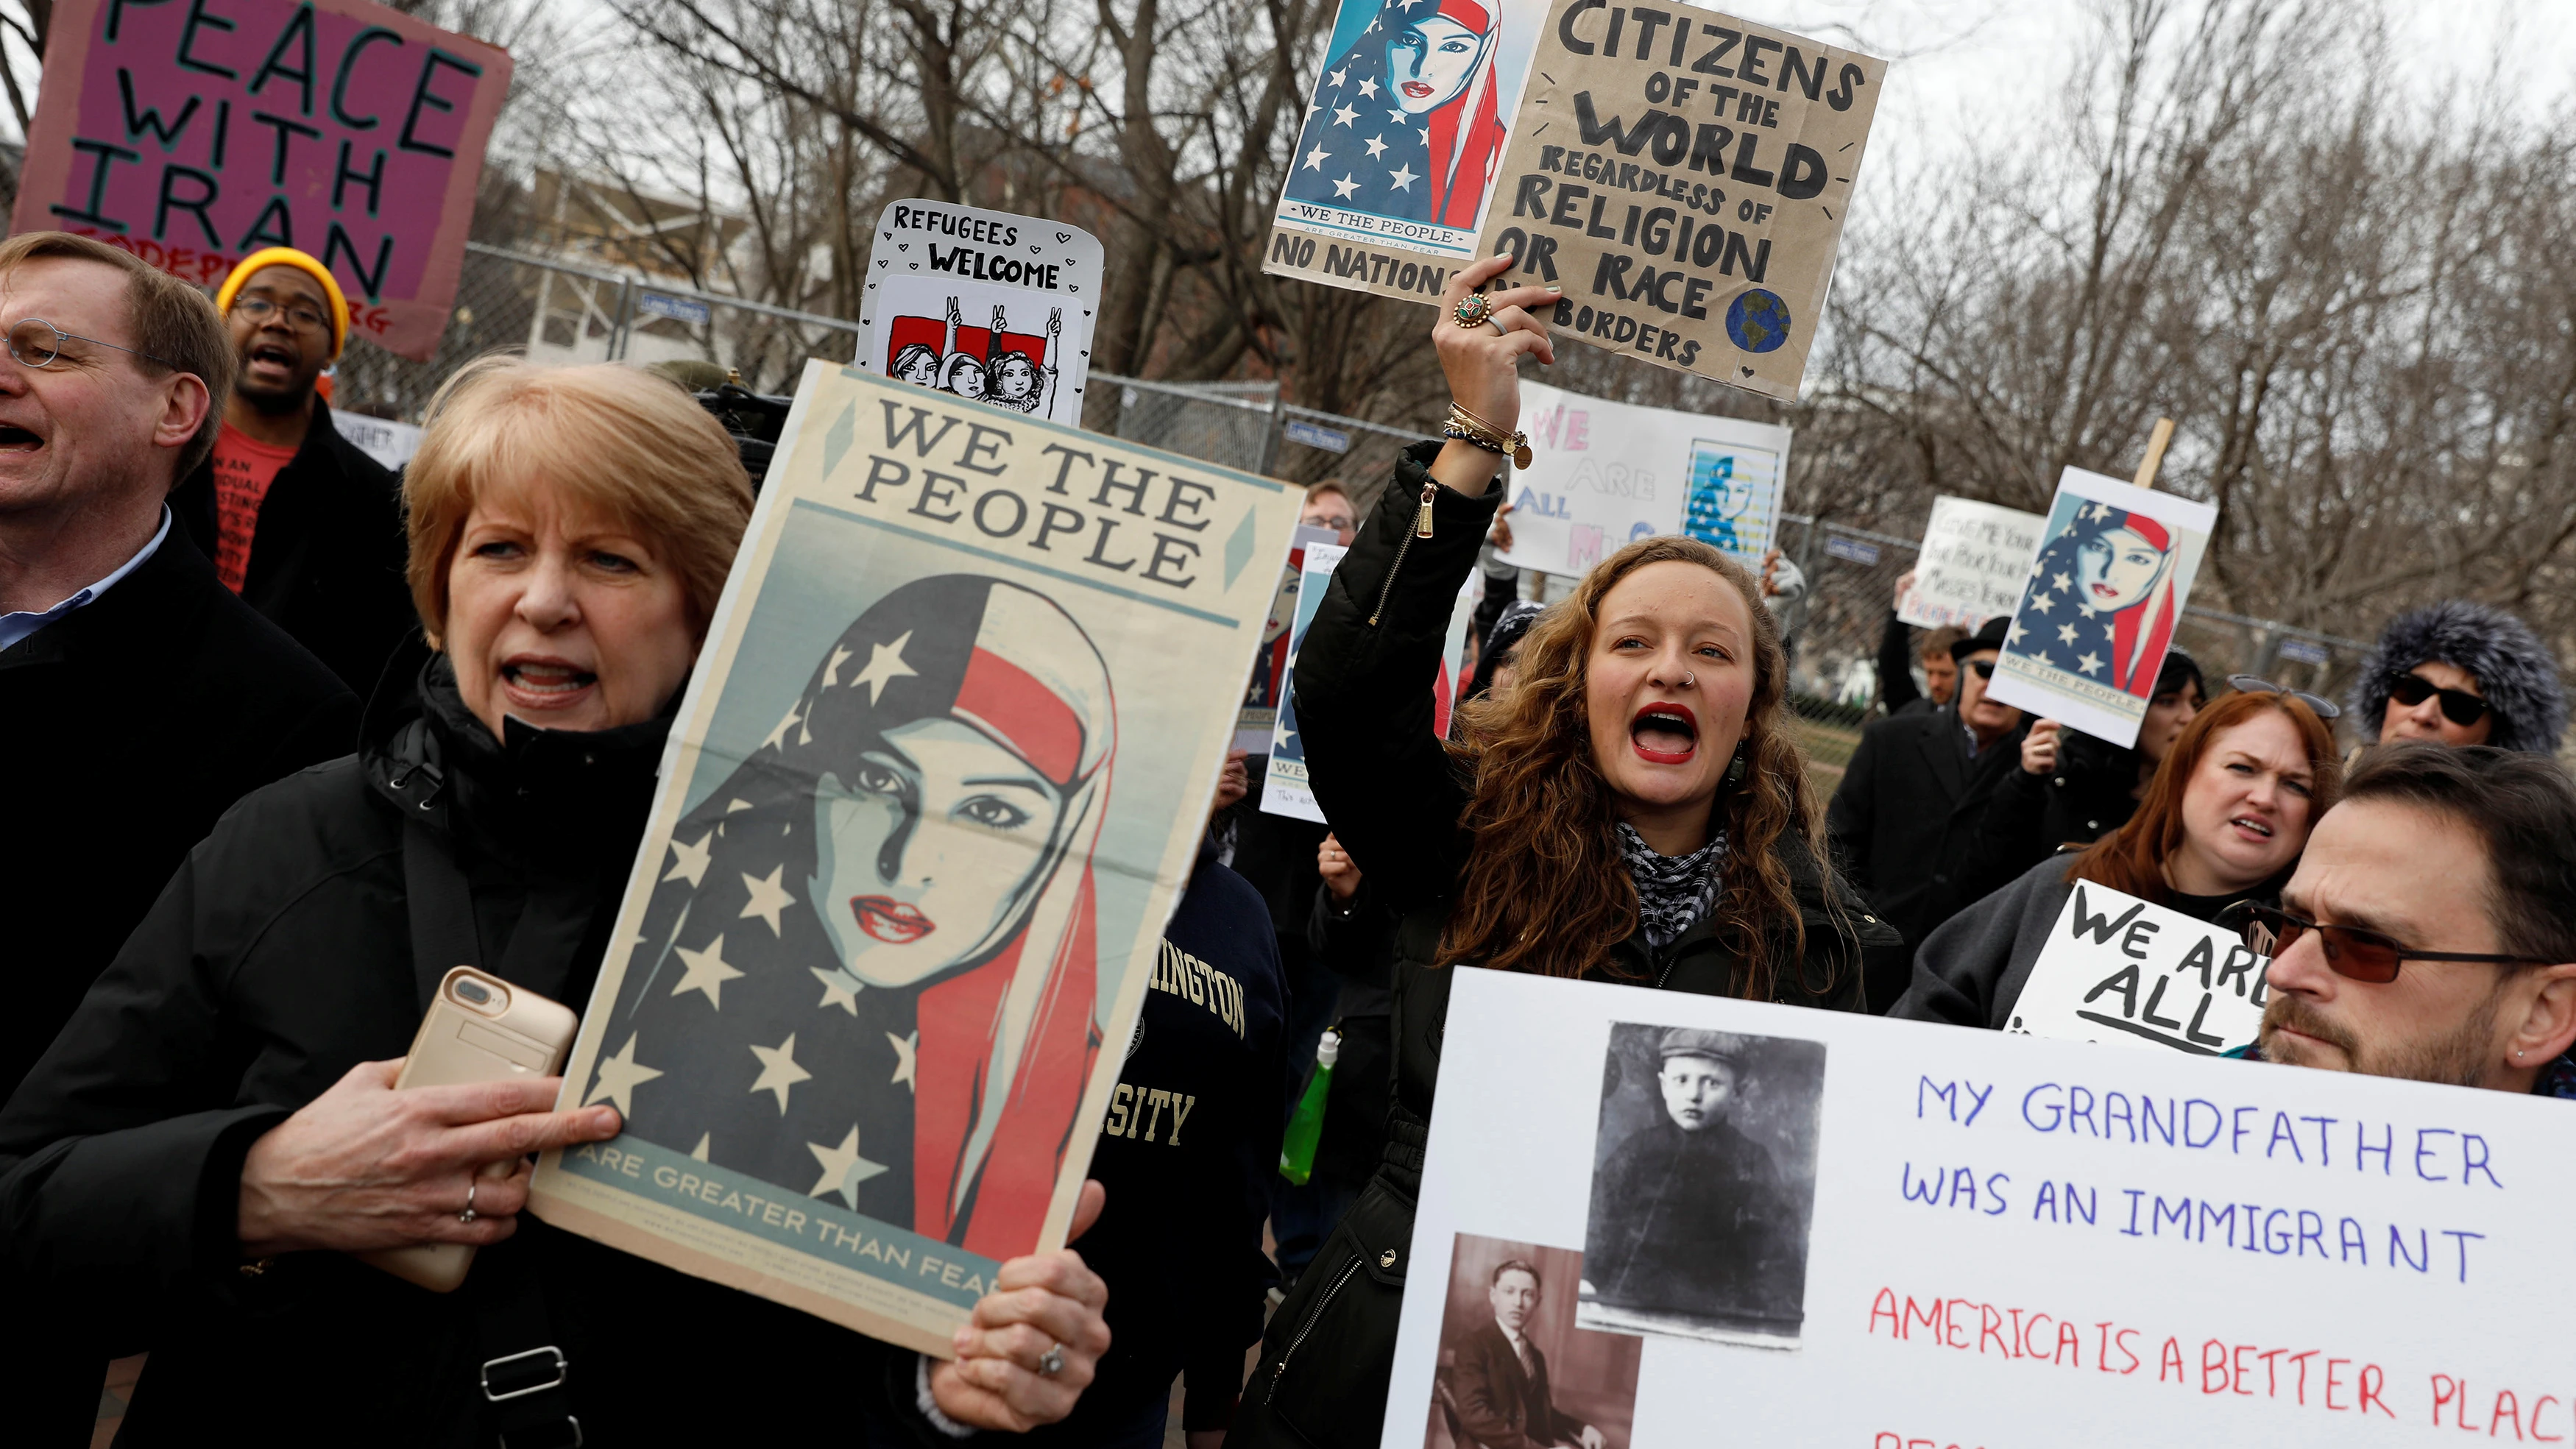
(1363, 150)
(845, 1043)
(2101, 602)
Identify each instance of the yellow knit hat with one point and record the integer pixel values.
(290, 257)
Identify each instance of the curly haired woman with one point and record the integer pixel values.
(1634, 810)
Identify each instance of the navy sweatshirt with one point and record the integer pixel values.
(1187, 1154)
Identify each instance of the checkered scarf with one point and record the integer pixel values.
(1673, 891)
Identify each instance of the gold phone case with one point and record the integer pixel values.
(479, 1028)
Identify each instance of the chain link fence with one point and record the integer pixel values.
(558, 311)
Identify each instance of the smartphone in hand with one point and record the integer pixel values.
(479, 1028)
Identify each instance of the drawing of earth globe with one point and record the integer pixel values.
(1758, 321)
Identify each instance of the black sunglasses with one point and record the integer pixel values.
(2257, 684)
(2351, 952)
(2458, 705)
(1985, 668)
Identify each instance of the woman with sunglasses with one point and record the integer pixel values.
(2459, 673)
(2223, 822)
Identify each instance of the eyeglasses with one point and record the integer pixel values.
(2458, 705)
(36, 342)
(259, 309)
(1985, 668)
(2351, 952)
(2257, 684)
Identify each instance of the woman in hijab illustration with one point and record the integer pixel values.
(868, 972)
(1407, 123)
(2101, 601)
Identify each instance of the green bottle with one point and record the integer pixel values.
(1306, 1124)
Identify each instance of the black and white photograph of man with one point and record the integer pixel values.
(1703, 1186)
(1515, 1372)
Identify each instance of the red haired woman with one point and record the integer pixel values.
(1635, 809)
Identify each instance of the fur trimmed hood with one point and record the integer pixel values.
(2514, 670)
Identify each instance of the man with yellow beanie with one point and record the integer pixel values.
(298, 521)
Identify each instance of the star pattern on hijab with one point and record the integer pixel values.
(778, 1070)
(769, 898)
(885, 665)
(618, 1078)
(706, 972)
(843, 1168)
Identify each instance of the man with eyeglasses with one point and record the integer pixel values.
(2430, 931)
(138, 698)
(1912, 800)
(2461, 674)
(298, 520)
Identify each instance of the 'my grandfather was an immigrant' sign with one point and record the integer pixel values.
(195, 134)
(1684, 176)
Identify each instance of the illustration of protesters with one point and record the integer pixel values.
(916, 363)
(2101, 602)
(1017, 380)
(868, 973)
(963, 374)
(1688, 1214)
(1406, 122)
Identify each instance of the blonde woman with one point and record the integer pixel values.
(216, 1131)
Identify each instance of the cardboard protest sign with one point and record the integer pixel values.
(2004, 1239)
(984, 305)
(2127, 972)
(1684, 176)
(1259, 716)
(193, 138)
(1403, 136)
(1974, 560)
(1283, 784)
(933, 790)
(2097, 612)
(1605, 474)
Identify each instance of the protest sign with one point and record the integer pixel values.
(2127, 972)
(1284, 790)
(192, 139)
(1603, 475)
(985, 305)
(2097, 611)
(890, 900)
(383, 439)
(2005, 1239)
(1974, 559)
(1260, 713)
(1684, 176)
(1404, 130)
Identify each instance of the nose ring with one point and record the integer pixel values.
(1689, 679)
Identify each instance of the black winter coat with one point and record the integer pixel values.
(2030, 817)
(326, 564)
(126, 728)
(278, 958)
(1395, 800)
(1909, 803)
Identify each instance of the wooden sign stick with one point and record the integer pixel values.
(2156, 443)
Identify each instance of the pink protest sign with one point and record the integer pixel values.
(193, 134)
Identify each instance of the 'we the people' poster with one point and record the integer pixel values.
(989, 306)
(2097, 613)
(1402, 141)
(1809, 1227)
(193, 135)
(1604, 474)
(931, 795)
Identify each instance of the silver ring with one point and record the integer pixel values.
(1689, 679)
(1499, 329)
(469, 1214)
(1051, 1362)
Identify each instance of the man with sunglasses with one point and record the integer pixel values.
(299, 520)
(1912, 799)
(138, 698)
(2460, 673)
(2430, 931)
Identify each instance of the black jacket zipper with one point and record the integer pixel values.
(1421, 529)
(1308, 1327)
